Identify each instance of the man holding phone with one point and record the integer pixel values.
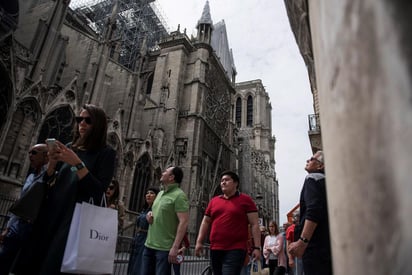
(17, 229)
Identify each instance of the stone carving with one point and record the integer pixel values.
(128, 159)
(217, 110)
(181, 149)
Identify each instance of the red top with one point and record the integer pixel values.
(229, 221)
(290, 233)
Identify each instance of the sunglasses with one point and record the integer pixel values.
(79, 119)
(314, 159)
(111, 187)
(33, 152)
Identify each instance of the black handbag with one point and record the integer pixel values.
(27, 207)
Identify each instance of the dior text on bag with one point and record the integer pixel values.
(91, 244)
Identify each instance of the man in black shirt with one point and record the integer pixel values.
(314, 241)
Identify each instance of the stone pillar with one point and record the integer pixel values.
(362, 53)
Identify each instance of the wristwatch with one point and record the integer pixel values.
(304, 239)
(78, 167)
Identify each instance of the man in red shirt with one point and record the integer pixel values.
(228, 217)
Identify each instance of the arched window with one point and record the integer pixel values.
(142, 179)
(249, 111)
(149, 84)
(238, 115)
(58, 124)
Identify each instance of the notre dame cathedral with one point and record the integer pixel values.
(171, 99)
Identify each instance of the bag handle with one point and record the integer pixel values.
(259, 267)
(103, 202)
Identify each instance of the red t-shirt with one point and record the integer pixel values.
(229, 221)
(290, 233)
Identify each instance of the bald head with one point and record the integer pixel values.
(41, 147)
(38, 156)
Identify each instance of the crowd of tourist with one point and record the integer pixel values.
(84, 169)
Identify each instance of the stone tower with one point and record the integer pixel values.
(171, 105)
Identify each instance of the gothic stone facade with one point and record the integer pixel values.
(177, 108)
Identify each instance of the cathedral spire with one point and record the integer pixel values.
(205, 25)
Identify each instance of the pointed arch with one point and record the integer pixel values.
(22, 128)
(58, 124)
(249, 111)
(142, 179)
(238, 114)
(149, 84)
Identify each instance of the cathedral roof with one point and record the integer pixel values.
(220, 44)
(206, 18)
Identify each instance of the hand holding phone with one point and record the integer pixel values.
(51, 143)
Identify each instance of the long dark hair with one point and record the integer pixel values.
(273, 223)
(95, 139)
(115, 198)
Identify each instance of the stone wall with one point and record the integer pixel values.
(362, 53)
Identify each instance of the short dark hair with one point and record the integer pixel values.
(178, 174)
(231, 174)
(153, 189)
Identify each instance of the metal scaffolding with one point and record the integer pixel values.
(137, 25)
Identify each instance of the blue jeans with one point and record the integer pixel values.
(176, 269)
(227, 262)
(298, 266)
(155, 262)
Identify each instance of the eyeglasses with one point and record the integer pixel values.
(111, 187)
(81, 118)
(33, 152)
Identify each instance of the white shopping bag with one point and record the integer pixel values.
(91, 244)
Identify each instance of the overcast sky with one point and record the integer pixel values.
(264, 48)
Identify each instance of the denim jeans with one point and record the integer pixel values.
(227, 262)
(155, 262)
(298, 266)
(176, 269)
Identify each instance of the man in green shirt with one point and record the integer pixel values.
(168, 224)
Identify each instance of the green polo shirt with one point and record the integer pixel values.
(162, 231)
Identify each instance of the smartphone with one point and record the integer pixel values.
(51, 142)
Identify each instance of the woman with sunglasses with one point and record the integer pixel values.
(76, 172)
(112, 200)
(142, 225)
